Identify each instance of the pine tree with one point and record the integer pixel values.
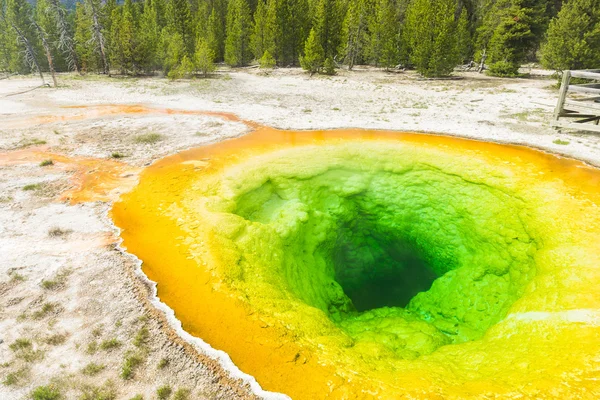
(204, 58)
(83, 37)
(511, 30)
(149, 36)
(431, 34)
(327, 26)
(179, 20)
(237, 43)
(463, 37)
(98, 32)
(262, 38)
(216, 33)
(6, 38)
(25, 49)
(355, 32)
(384, 31)
(573, 39)
(267, 61)
(65, 40)
(314, 56)
(291, 26)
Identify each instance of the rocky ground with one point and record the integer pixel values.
(75, 315)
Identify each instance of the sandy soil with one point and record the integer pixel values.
(71, 300)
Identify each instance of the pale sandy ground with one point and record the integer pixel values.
(97, 295)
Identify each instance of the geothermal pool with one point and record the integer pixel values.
(374, 264)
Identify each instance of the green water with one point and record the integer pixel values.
(407, 255)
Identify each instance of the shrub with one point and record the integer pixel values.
(46, 163)
(110, 344)
(149, 138)
(267, 61)
(164, 392)
(46, 393)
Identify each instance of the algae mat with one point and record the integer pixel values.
(373, 264)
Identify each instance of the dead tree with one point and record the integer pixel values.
(44, 39)
(29, 52)
(97, 35)
(482, 64)
(65, 39)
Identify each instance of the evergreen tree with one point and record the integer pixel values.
(204, 58)
(327, 26)
(83, 37)
(314, 56)
(291, 25)
(6, 37)
(149, 36)
(267, 61)
(463, 37)
(216, 29)
(355, 31)
(384, 28)
(179, 20)
(65, 40)
(573, 40)
(24, 48)
(237, 43)
(431, 34)
(262, 38)
(511, 30)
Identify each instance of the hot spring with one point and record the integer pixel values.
(368, 264)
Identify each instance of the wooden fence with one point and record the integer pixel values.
(581, 111)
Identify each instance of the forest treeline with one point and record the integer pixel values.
(181, 37)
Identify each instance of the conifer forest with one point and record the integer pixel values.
(182, 37)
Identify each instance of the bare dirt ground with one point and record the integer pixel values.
(73, 311)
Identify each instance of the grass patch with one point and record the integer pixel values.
(59, 280)
(45, 310)
(16, 277)
(56, 132)
(182, 394)
(30, 142)
(92, 347)
(21, 344)
(50, 392)
(56, 339)
(56, 232)
(105, 392)
(561, 142)
(164, 392)
(32, 186)
(163, 363)
(15, 378)
(46, 163)
(110, 344)
(137, 397)
(130, 364)
(148, 138)
(93, 369)
(141, 339)
(117, 155)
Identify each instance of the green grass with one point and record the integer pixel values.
(58, 232)
(117, 155)
(21, 344)
(46, 393)
(15, 378)
(137, 397)
(93, 369)
(141, 339)
(561, 142)
(59, 280)
(30, 142)
(131, 363)
(16, 277)
(148, 138)
(92, 347)
(110, 344)
(164, 392)
(56, 339)
(45, 310)
(182, 394)
(32, 186)
(163, 363)
(46, 163)
(105, 392)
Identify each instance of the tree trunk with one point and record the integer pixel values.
(29, 53)
(65, 41)
(42, 36)
(98, 36)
